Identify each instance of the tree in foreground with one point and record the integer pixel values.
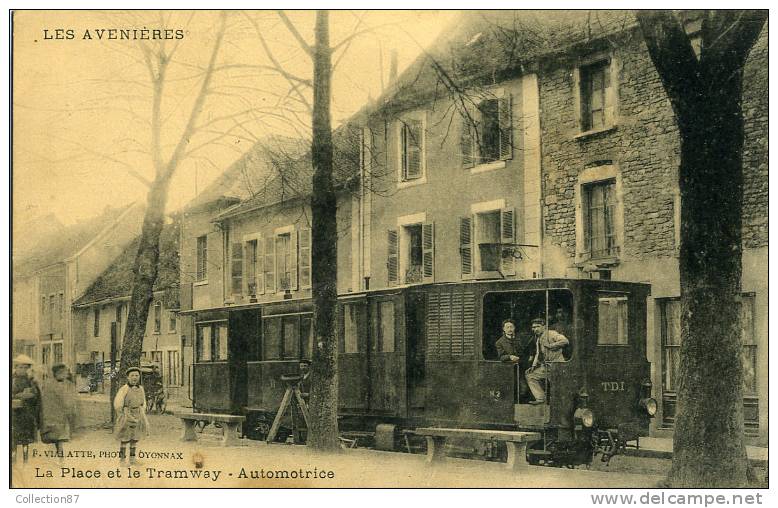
(706, 97)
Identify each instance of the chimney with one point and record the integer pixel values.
(393, 67)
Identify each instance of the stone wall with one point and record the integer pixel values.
(644, 145)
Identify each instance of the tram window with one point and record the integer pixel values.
(219, 348)
(204, 343)
(271, 339)
(520, 306)
(306, 332)
(612, 321)
(386, 337)
(291, 337)
(350, 341)
(287, 337)
(212, 340)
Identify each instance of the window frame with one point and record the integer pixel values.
(586, 179)
(472, 120)
(212, 326)
(610, 94)
(399, 132)
(614, 295)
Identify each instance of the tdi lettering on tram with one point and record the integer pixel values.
(613, 386)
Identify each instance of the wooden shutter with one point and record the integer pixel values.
(466, 142)
(270, 264)
(393, 258)
(507, 235)
(260, 268)
(428, 251)
(304, 243)
(412, 145)
(293, 256)
(466, 246)
(505, 107)
(237, 268)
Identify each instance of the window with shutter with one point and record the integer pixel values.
(304, 245)
(488, 131)
(260, 266)
(428, 252)
(412, 144)
(393, 261)
(507, 236)
(284, 261)
(466, 246)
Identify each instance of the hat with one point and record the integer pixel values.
(23, 360)
(539, 321)
(305, 361)
(132, 369)
(58, 367)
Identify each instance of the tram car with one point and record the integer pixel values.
(425, 355)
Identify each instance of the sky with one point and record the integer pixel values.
(82, 105)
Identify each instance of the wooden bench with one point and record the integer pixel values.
(230, 426)
(515, 441)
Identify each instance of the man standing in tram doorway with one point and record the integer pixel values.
(548, 349)
(517, 351)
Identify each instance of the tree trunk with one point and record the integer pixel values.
(708, 443)
(323, 434)
(144, 277)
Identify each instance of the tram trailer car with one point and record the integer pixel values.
(425, 356)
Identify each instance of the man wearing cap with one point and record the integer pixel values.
(517, 351)
(548, 349)
(26, 397)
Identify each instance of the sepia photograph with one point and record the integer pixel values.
(315, 249)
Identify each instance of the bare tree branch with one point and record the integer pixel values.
(293, 30)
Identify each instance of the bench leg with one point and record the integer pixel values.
(230, 434)
(517, 455)
(435, 449)
(189, 431)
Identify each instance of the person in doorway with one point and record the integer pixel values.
(548, 348)
(58, 408)
(563, 326)
(130, 407)
(517, 351)
(25, 401)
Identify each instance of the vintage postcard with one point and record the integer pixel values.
(317, 249)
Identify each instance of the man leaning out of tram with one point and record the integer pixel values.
(548, 348)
